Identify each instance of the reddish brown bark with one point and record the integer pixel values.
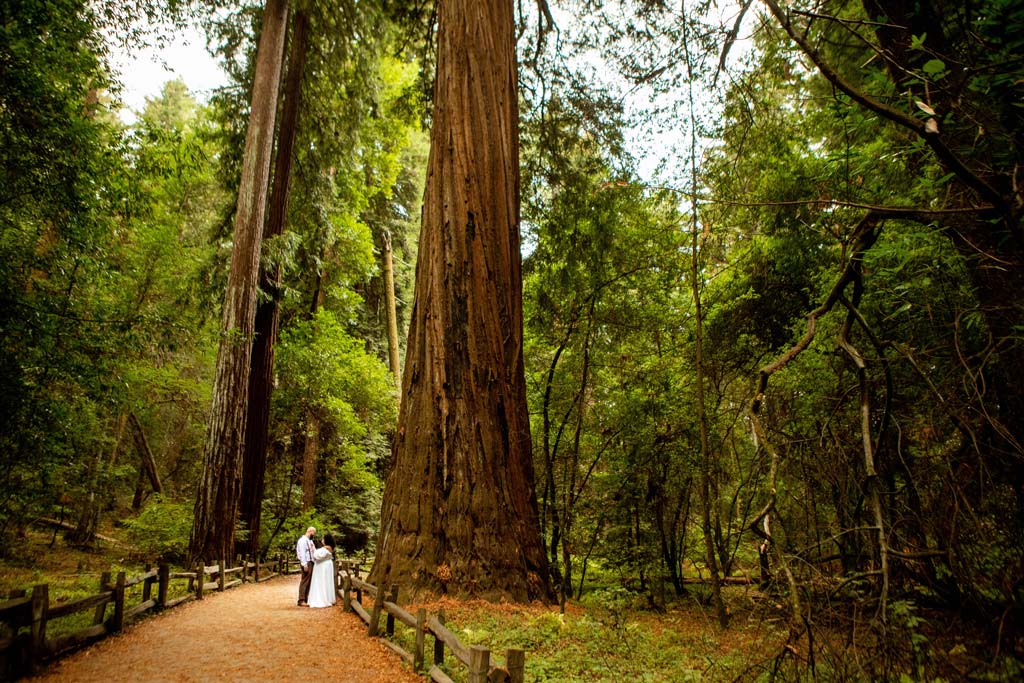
(261, 377)
(213, 529)
(460, 512)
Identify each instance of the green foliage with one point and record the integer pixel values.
(328, 371)
(586, 645)
(328, 374)
(292, 527)
(102, 233)
(59, 187)
(161, 531)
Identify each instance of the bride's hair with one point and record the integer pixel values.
(329, 540)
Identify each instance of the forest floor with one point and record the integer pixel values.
(256, 632)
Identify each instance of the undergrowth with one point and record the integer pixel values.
(606, 638)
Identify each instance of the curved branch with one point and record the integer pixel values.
(886, 369)
(928, 133)
(865, 235)
(908, 213)
(871, 483)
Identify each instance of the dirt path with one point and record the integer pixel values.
(249, 633)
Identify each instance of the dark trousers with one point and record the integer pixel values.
(307, 574)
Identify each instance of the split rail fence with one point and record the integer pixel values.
(483, 668)
(26, 615)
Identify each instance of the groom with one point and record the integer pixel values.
(304, 551)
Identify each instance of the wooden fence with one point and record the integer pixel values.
(25, 615)
(482, 667)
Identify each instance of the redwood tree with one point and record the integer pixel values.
(213, 529)
(261, 377)
(459, 511)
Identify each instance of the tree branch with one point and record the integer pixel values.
(865, 235)
(926, 132)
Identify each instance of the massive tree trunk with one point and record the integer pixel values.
(213, 529)
(460, 512)
(261, 377)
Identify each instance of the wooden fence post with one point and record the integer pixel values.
(359, 591)
(164, 580)
(378, 605)
(346, 591)
(417, 655)
(117, 620)
(220, 576)
(40, 606)
(439, 644)
(390, 627)
(101, 608)
(200, 578)
(515, 662)
(479, 663)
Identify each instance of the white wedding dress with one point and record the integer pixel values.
(321, 585)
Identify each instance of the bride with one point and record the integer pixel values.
(321, 585)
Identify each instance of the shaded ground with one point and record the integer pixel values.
(249, 633)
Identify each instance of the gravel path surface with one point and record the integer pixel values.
(250, 633)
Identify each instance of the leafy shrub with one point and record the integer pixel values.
(161, 531)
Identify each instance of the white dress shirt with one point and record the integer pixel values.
(304, 550)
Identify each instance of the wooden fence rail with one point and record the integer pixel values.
(25, 615)
(478, 660)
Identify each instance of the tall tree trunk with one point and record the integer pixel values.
(213, 529)
(549, 505)
(569, 495)
(708, 465)
(707, 457)
(261, 377)
(311, 433)
(392, 311)
(459, 510)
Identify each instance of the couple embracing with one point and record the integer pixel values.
(316, 588)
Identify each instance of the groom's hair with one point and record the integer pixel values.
(312, 528)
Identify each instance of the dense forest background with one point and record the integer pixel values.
(791, 351)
